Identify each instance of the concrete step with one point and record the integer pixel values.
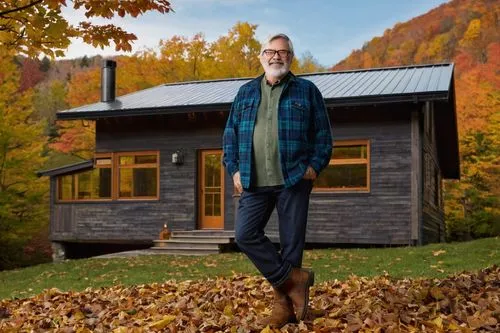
(201, 239)
(185, 251)
(175, 244)
(210, 233)
(195, 242)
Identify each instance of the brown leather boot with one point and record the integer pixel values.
(282, 312)
(297, 288)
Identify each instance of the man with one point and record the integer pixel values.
(276, 141)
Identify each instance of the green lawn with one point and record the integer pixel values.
(436, 260)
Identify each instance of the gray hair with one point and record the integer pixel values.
(276, 36)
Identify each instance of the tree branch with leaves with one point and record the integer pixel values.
(33, 27)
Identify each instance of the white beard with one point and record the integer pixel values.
(274, 71)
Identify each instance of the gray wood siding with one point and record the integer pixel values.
(132, 221)
(379, 217)
(416, 176)
(432, 203)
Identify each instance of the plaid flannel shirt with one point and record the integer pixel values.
(304, 131)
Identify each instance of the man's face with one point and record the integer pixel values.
(276, 65)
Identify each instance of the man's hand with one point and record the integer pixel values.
(237, 182)
(310, 174)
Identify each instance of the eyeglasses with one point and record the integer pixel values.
(270, 53)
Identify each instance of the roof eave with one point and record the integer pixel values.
(387, 99)
(142, 111)
(449, 152)
(66, 169)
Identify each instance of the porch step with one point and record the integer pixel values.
(201, 239)
(186, 242)
(209, 232)
(185, 251)
(196, 242)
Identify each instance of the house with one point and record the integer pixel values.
(158, 160)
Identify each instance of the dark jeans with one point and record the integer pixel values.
(255, 208)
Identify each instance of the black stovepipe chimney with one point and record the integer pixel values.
(108, 81)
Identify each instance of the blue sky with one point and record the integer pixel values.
(329, 30)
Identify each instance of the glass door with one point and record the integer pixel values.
(211, 190)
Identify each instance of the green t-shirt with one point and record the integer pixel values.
(265, 136)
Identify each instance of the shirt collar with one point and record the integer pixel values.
(277, 83)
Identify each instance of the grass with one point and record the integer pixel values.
(431, 261)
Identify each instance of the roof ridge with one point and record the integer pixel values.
(440, 64)
(313, 73)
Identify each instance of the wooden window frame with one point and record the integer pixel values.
(116, 183)
(350, 161)
(115, 174)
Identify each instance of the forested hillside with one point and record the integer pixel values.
(465, 32)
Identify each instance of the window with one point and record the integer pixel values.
(94, 184)
(66, 187)
(349, 168)
(138, 175)
(114, 176)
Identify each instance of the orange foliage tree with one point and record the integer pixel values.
(77, 137)
(23, 212)
(32, 27)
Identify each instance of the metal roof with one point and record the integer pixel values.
(356, 87)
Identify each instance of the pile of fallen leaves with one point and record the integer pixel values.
(462, 303)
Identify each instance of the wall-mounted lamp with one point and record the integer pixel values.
(178, 157)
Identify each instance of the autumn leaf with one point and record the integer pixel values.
(161, 324)
(438, 252)
(462, 302)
